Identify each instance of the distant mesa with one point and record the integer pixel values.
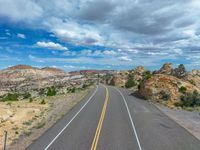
(20, 67)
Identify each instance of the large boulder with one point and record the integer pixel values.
(118, 80)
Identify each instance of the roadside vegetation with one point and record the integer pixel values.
(189, 100)
(37, 112)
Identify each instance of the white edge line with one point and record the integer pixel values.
(129, 114)
(71, 120)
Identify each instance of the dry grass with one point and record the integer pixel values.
(26, 121)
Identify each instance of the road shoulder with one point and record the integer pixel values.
(187, 119)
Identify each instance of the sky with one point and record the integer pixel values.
(100, 34)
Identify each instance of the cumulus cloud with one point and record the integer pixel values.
(125, 58)
(51, 45)
(137, 29)
(20, 35)
(20, 10)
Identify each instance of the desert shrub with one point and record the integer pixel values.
(164, 95)
(192, 82)
(26, 95)
(182, 89)
(41, 92)
(73, 90)
(40, 125)
(30, 100)
(11, 97)
(84, 86)
(27, 123)
(190, 100)
(43, 102)
(147, 75)
(51, 91)
(130, 83)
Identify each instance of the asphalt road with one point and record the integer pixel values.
(112, 119)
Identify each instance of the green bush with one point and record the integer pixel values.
(51, 91)
(73, 90)
(41, 91)
(182, 89)
(147, 75)
(130, 83)
(43, 102)
(26, 95)
(30, 100)
(164, 95)
(11, 97)
(189, 100)
(84, 86)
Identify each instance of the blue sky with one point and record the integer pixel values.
(99, 34)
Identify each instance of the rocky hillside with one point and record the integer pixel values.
(168, 84)
(173, 85)
(23, 78)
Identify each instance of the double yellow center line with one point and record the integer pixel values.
(98, 130)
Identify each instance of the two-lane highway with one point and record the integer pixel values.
(111, 119)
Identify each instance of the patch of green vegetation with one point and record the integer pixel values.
(164, 96)
(43, 102)
(41, 92)
(27, 123)
(40, 125)
(192, 82)
(189, 100)
(26, 95)
(11, 97)
(51, 91)
(72, 90)
(182, 89)
(147, 75)
(130, 83)
(30, 100)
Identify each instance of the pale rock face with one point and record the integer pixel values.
(138, 73)
(165, 69)
(152, 88)
(193, 77)
(24, 78)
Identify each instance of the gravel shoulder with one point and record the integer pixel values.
(190, 120)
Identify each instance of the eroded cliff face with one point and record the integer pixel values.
(165, 84)
(193, 77)
(162, 86)
(22, 78)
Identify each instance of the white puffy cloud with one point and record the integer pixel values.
(20, 35)
(125, 58)
(51, 45)
(137, 29)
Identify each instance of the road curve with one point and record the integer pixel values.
(109, 118)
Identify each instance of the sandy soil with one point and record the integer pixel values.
(26, 121)
(190, 120)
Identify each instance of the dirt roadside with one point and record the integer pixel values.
(26, 121)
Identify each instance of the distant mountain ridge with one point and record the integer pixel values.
(23, 67)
